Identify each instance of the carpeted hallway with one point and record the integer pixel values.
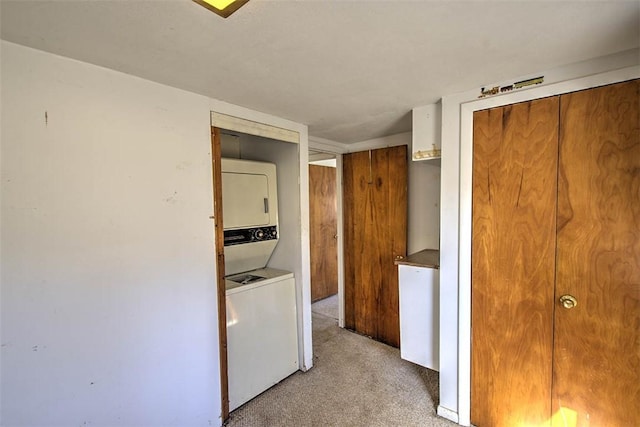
(355, 381)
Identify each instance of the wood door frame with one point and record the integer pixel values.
(216, 163)
(340, 226)
(465, 213)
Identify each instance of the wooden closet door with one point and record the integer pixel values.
(356, 199)
(390, 207)
(323, 231)
(597, 343)
(515, 151)
(375, 222)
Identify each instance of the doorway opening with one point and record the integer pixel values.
(325, 234)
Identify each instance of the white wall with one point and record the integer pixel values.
(424, 206)
(455, 247)
(108, 294)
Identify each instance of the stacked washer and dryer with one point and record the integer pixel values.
(262, 337)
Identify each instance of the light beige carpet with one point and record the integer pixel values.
(355, 381)
(327, 307)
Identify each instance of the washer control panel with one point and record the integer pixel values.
(250, 235)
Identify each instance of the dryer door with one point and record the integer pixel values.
(246, 200)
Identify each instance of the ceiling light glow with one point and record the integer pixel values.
(219, 4)
(223, 8)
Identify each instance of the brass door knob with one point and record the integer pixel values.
(568, 301)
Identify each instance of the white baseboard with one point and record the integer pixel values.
(448, 414)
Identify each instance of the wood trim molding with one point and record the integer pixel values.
(250, 127)
(216, 158)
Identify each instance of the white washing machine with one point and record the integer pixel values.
(262, 337)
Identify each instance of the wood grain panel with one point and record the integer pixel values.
(355, 181)
(375, 216)
(323, 231)
(368, 250)
(378, 236)
(597, 343)
(216, 159)
(368, 246)
(392, 177)
(513, 261)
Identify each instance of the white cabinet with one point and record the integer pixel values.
(425, 142)
(419, 315)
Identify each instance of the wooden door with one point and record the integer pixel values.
(375, 222)
(513, 262)
(597, 343)
(323, 231)
(591, 374)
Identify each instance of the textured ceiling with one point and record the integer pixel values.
(351, 70)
